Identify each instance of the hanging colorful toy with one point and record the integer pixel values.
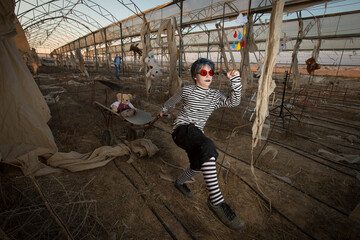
(241, 20)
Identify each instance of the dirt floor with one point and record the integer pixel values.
(305, 186)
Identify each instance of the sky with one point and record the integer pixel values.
(121, 12)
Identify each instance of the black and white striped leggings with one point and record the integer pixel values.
(208, 169)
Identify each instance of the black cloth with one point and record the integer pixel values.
(198, 147)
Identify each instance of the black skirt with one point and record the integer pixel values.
(198, 147)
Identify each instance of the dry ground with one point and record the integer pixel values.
(298, 193)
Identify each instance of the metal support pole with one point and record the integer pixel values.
(122, 47)
(96, 57)
(243, 53)
(208, 45)
(180, 38)
(107, 54)
(338, 68)
(87, 51)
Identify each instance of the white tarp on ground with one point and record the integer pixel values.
(25, 138)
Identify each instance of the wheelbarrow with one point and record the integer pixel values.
(136, 125)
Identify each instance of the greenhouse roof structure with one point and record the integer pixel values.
(68, 24)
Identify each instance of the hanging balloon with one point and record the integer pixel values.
(238, 46)
(233, 45)
(243, 43)
(244, 30)
(235, 34)
(239, 35)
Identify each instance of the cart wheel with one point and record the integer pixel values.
(106, 138)
(134, 134)
(140, 133)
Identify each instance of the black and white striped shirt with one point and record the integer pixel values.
(198, 103)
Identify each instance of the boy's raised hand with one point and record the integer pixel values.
(232, 73)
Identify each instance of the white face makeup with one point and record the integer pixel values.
(204, 81)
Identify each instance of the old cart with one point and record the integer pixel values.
(136, 125)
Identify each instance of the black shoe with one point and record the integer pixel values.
(226, 215)
(184, 190)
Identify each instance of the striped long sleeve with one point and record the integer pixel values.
(198, 103)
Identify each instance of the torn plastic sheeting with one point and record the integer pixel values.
(166, 177)
(53, 96)
(266, 130)
(269, 149)
(285, 179)
(334, 137)
(350, 158)
(52, 86)
(51, 99)
(352, 139)
(75, 83)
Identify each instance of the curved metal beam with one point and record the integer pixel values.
(67, 18)
(59, 8)
(63, 17)
(137, 9)
(74, 13)
(114, 19)
(31, 9)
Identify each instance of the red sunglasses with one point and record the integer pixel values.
(204, 73)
